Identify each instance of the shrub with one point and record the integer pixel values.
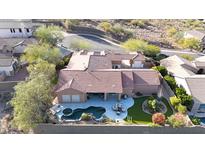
(86, 117)
(158, 118)
(139, 23)
(105, 119)
(106, 26)
(190, 43)
(177, 120)
(161, 69)
(151, 50)
(182, 109)
(80, 45)
(159, 57)
(60, 65)
(68, 23)
(66, 60)
(175, 101)
(120, 33)
(171, 82)
(171, 31)
(185, 98)
(152, 104)
(180, 91)
(195, 120)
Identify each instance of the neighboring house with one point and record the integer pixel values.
(196, 88)
(187, 75)
(8, 64)
(10, 28)
(200, 35)
(200, 64)
(105, 73)
(179, 68)
(15, 46)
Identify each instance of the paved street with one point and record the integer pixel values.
(97, 43)
(171, 52)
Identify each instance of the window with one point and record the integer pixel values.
(20, 31)
(27, 30)
(66, 98)
(75, 98)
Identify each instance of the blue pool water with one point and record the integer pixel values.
(202, 120)
(97, 112)
(202, 106)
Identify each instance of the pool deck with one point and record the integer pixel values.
(99, 102)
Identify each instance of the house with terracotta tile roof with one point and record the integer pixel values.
(105, 74)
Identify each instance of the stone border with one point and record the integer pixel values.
(160, 102)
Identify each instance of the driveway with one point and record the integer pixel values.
(97, 43)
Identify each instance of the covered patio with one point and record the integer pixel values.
(97, 101)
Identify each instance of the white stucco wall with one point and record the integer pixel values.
(196, 105)
(7, 70)
(137, 64)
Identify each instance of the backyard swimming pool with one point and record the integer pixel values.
(97, 112)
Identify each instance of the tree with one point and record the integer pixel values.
(135, 45)
(175, 101)
(190, 43)
(80, 45)
(106, 26)
(140, 45)
(151, 50)
(50, 35)
(42, 68)
(158, 118)
(31, 101)
(161, 69)
(187, 57)
(177, 120)
(35, 53)
(171, 82)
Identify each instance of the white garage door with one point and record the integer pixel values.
(75, 98)
(66, 98)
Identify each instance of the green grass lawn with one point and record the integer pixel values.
(138, 116)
